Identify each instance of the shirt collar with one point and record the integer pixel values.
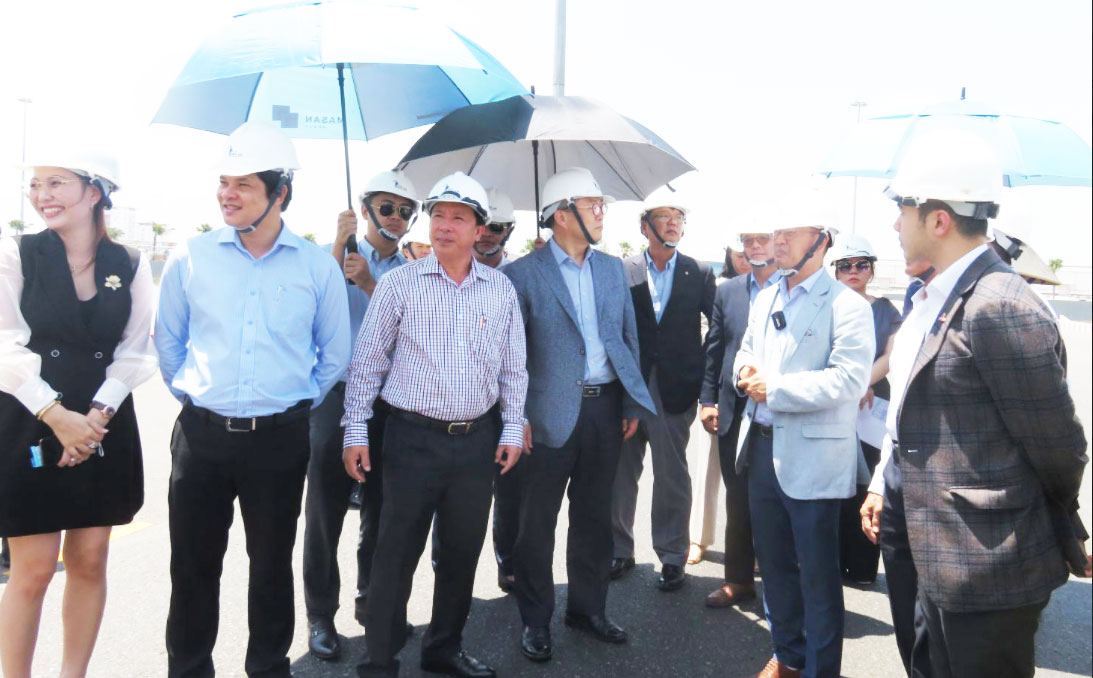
(229, 234)
(669, 268)
(772, 280)
(430, 265)
(807, 284)
(943, 283)
(366, 249)
(560, 255)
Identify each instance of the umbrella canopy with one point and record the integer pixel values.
(1033, 152)
(278, 64)
(1028, 264)
(517, 144)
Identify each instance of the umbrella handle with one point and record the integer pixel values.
(351, 244)
(535, 160)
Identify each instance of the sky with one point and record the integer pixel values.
(754, 95)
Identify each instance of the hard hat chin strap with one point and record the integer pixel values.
(492, 252)
(580, 222)
(281, 183)
(760, 263)
(384, 233)
(649, 223)
(789, 272)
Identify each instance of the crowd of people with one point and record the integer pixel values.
(439, 380)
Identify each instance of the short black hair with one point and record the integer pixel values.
(966, 226)
(271, 178)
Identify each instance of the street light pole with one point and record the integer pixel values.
(23, 162)
(559, 48)
(854, 212)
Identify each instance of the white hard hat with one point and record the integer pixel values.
(852, 246)
(958, 168)
(501, 210)
(567, 186)
(257, 146)
(664, 197)
(460, 188)
(90, 164)
(394, 182)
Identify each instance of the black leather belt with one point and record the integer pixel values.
(452, 428)
(248, 424)
(597, 390)
(764, 431)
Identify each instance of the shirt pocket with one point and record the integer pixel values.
(290, 314)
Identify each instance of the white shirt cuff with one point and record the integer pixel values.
(112, 393)
(35, 394)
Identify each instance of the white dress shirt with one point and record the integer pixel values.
(926, 305)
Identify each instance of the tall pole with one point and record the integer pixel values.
(854, 212)
(559, 48)
(23, 163)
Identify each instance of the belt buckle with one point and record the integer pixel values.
(228, 424)
(454, 428)
(591, 391)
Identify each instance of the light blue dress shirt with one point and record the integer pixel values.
(248, 337)
(776, 341)
(597, 367)
(358, 300)
(754, 287)
(660, 283)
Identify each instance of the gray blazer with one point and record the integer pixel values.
(555, 347)
(814, 398)
(728, 323)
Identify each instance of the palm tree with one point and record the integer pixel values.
(114, 233)
(204, 228)
(626, 248)
(157, 230)
(310, 237)
(17, 225)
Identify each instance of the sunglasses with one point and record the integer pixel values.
(498, 227)
(859, 266)
(404, 211)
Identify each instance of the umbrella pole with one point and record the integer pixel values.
(535, 159)
(351, 245)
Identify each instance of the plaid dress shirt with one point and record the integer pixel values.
(443, 350)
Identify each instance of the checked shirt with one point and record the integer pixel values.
(443, 350)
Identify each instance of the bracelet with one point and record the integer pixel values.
(47, 408)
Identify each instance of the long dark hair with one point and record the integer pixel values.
(729, 271)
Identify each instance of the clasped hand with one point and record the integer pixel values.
(753, 382)
(79, 434)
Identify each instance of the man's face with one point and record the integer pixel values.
(588, 209)
(757, 246)
(242, 199)
(913, 236)
(393, 223)
(667, 220)
(791, 244)
(492, 235)
(453, 228)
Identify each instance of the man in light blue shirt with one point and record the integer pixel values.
(252, 329)
(578, 281)
(389, 206)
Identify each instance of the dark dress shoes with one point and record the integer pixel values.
(729, 594)
(462, 665)
(322, 639)
(597, 626)
(535, 643)
(671, 578)
(619, 566)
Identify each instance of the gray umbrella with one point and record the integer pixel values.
(515, 145)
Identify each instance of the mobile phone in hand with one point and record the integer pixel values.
(46, 452)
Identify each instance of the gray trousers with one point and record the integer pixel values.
(666, 435)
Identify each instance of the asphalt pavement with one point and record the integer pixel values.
(670, 633)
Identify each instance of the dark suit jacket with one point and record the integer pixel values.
(674, 345)
(987, 437)
(556, 354)
(727, 327)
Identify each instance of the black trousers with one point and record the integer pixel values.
(994, 644)
(912, 638)
(328, 489)
(858, 557)
(739, 548)
(210, 468)
(586, 463)
(506, 516)
(427, 473)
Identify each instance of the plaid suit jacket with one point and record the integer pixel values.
(987, 437)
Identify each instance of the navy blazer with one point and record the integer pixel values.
(556, 357)
(727, 327)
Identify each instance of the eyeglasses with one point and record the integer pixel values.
(499, 227)
(53, 184)
(668, 218)
(749, 240)
(789, 234)
(404, 211)
(860, 266)
(598, 208)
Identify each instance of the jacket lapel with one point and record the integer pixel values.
(637, 276)
(684, 272)
(810, 308)
(552, 278)
(601, 280)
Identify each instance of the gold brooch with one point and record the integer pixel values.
(113, 282)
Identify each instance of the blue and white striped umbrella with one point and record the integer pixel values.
(403, 68)
(1032, 152)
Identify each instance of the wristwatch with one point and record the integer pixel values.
(106, 410)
